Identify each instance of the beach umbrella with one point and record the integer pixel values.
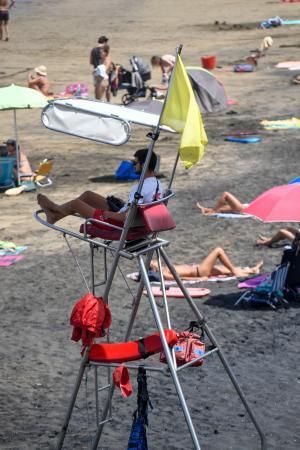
(278, 204)
(18, 97)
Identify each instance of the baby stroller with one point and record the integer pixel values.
(134, 81)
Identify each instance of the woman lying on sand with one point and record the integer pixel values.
(227, 203)
(288, 233)
(208, 267)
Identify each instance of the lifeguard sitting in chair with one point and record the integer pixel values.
(90, 205)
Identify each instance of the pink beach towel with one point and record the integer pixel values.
(177, 293)
(9, 260)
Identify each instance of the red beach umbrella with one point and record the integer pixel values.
(278, 204)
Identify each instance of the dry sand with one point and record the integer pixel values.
(38, 360)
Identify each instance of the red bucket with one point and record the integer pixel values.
(209, 62)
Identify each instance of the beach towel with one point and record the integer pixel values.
(243, 139)
(8, 260)
(253, 282)
(16, 251)
(230, 216)
(281, 124)
(291, 65)
(177, 293)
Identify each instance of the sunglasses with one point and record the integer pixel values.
(134, 163)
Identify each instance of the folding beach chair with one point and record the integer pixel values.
(6, 172)
(270, 292)
(42, 175)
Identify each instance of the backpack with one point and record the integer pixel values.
(126, 171)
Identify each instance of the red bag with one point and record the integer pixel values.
(188, 347)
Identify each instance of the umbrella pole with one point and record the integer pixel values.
(17, 148)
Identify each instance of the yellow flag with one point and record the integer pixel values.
(182, 113)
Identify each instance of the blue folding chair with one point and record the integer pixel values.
(6, 172)
(270, 292)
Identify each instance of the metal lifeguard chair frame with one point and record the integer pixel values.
(118, 118)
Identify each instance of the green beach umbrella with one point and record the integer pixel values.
(18, 97)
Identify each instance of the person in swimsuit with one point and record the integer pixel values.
(92, 205)
(5, 6)
(208, 267)
(101, 75)
(166, 64)
(227, 203)
(39, 80)
(25, 169)
(288, 233)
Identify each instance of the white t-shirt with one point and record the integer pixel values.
(148, 192)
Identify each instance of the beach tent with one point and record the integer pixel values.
(18, 97)
(209, 93)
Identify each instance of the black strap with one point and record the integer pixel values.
(142, 349)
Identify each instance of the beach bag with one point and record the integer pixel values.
(126, 171)
(189, 346)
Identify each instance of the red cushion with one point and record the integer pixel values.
(114, 235)
(130, 351)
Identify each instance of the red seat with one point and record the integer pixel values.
(156, 217)
(114, 235)
(133, 350)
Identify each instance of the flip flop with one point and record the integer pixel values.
(15, 191)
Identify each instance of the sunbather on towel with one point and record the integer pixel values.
(227, 203)
(288, 233)
(92, 205)
(208, 267)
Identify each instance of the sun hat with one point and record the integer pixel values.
(10, 142)
(41, 70)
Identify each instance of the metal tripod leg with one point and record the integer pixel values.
(65, 425)
(215, 343)
(169, 356)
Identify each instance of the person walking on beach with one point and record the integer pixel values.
(96, 59)
(5, 6)
(92, 205)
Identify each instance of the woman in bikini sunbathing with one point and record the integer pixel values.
(227, 203)
(208, 267)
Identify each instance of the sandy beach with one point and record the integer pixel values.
(39, 362)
